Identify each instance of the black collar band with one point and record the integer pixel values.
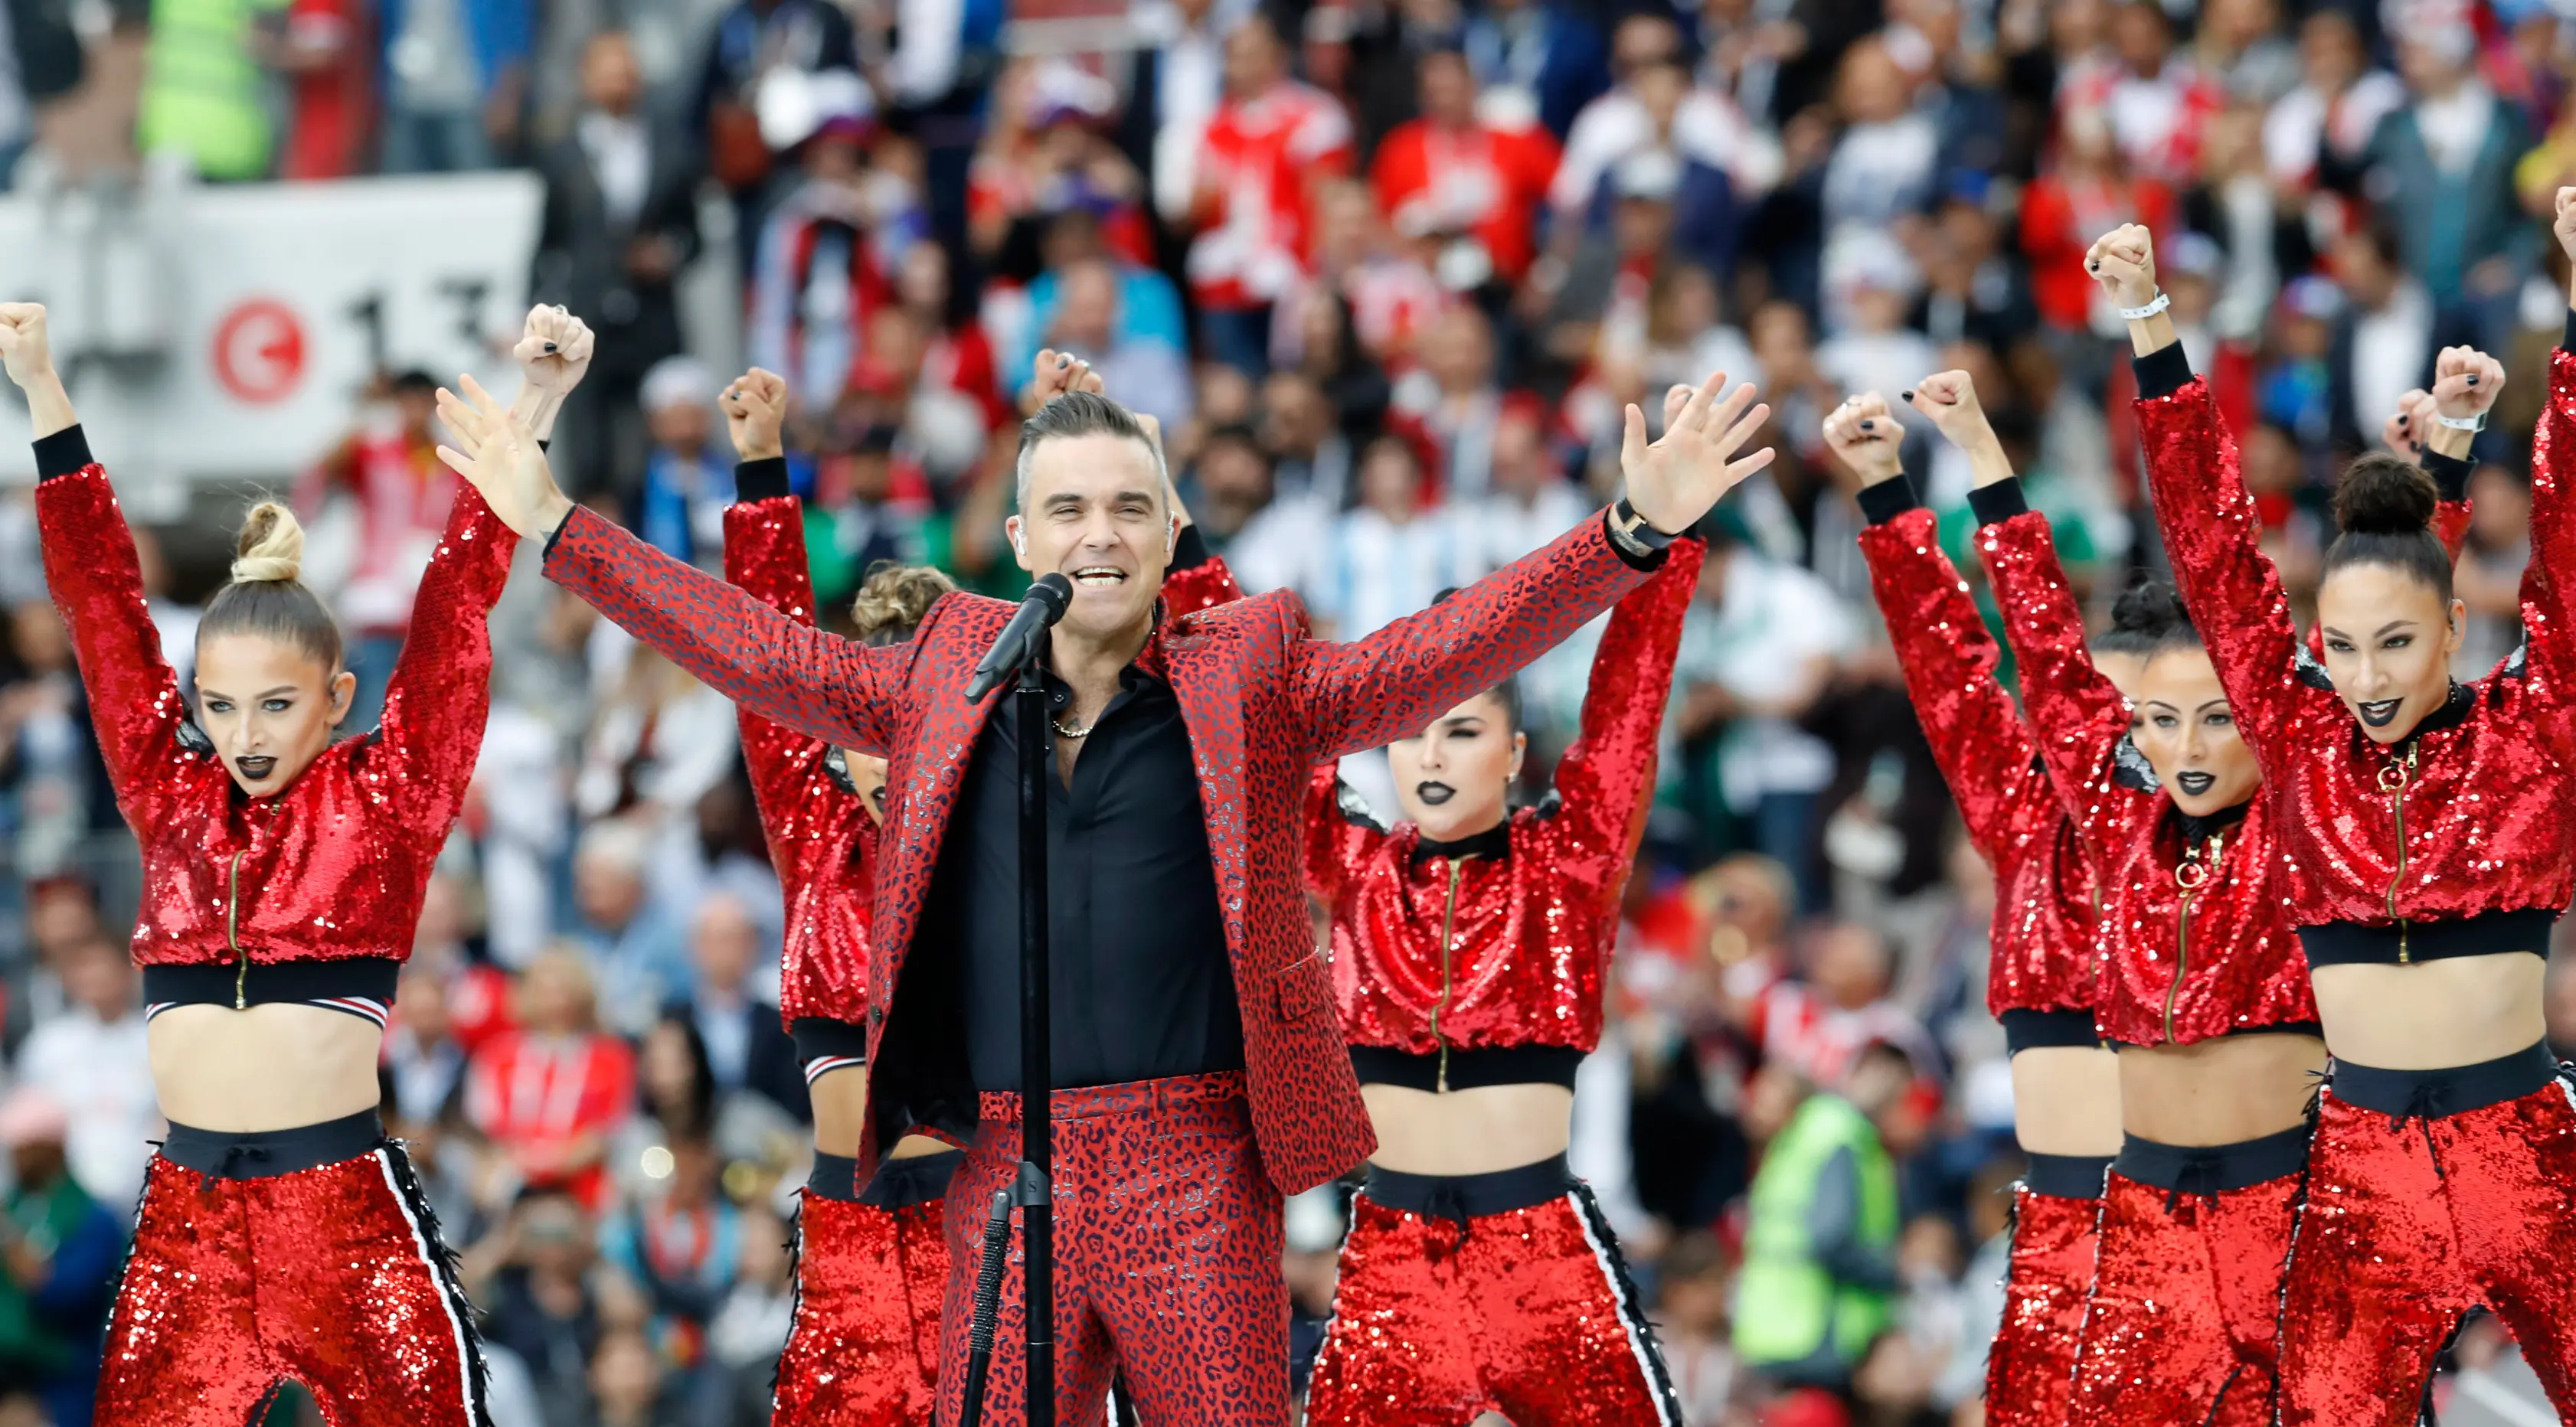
(2201, 828)
(1495, 841)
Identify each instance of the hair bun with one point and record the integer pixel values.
(2150, 608)
(270, 549)
(2383, 495)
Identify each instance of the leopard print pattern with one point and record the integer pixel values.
(1264, 702)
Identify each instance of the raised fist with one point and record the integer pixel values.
(1863, 435)
(555, 350)
(755, 408)
(2123, 261)
(23, 347)
(2466, 382)
(2404, 430)
(1949, 400)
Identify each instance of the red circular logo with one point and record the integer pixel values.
(259, 351)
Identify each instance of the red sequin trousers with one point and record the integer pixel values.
(2030, 1369)
(331, 1276)
(865, 1348)
(1168, 1238)
(1528, 1313)
(2186, 1307)
(2406, 1228)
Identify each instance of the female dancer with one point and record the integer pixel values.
(2197, 983)
(2427, 849)
(2039, 983)
(871, 1263)
(281, 1234)
(1469, 945)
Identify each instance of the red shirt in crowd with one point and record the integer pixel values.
(1481, 180)
(537, 1096)
(1257, 164)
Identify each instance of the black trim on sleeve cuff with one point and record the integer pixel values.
(1189, 549)
(759, 479)
(1883, 501)
(557, 533)
(64, 453)
(2450, 474)
(2162, 372)
(1999, 502)
(2568, 341)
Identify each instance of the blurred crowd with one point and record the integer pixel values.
(1386, 271)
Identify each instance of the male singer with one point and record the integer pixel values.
(1199, 1073)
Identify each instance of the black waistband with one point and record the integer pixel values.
(1468, 1069)
(2213, 1169)
(264, 1154)
(2067, 1176)
(2034, 1030)
(903, 1183)
(264, 983)
(2448, 1090)
(818, 1038)
(2490, 934)
(2284, 1028)
(1470, 1196)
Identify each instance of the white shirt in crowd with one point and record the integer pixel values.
(2392, 349)
(1770, 622)
(1708, 128)
(101, 1072)
(1377, 572)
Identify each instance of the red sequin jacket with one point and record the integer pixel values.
(1432, 954)
(335, 865)
(2399, 846)
(821, 838)
(2040, 947)
(2193, 941)
(1263, 704)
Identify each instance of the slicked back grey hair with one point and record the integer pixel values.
(1083, 413)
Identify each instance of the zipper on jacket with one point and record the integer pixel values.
(1448, 926)
(232, 934)
(2393, 780)
(2191, 876)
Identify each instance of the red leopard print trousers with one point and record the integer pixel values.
(1168, 1238)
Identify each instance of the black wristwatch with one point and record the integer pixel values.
(1630, 530)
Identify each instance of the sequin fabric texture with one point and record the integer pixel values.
(821, 838)
(1527, 1313)
(2041, 945)
(2407, 1226)
(2030, 1367)
(1264, 704)
(332, 1276)
(335, 865)
(2484, 800)
(865, 1348)
(2194, 938)
(2186, 1307)
(1528, 935)
(1167, 1259)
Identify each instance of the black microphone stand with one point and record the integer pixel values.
(1033, 1192)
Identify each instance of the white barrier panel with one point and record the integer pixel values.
(222, 333)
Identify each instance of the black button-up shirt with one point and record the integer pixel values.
(1142, 983)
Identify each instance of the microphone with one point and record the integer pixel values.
(1044, 605)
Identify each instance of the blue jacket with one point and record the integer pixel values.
(501, 32)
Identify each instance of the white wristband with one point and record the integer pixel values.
(2141, 314)
(2463, 423)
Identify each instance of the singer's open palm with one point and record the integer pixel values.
(497, 453)
(1674, 480)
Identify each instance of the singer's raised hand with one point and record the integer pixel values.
(1673, 480)
(498, 454)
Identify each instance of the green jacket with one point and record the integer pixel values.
(1820, 1249)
